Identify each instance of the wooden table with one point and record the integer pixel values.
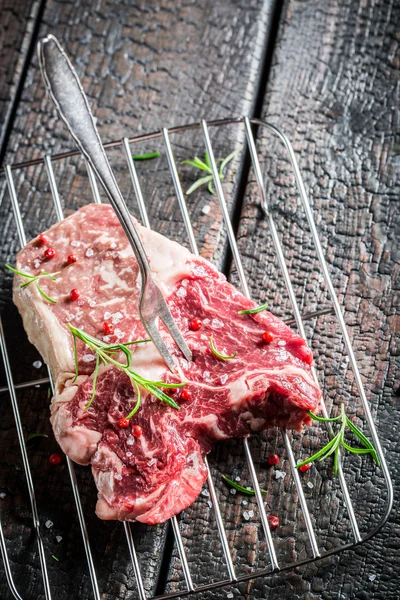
(327, 74)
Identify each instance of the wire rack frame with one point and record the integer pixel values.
(298, 320)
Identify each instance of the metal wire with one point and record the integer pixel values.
(298, 319)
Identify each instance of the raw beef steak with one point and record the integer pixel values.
(156, 475)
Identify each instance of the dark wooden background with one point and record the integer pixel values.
(327, 73)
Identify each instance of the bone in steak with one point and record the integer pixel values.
(154, 476)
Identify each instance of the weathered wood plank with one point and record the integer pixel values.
(144, 66)
(18, 18)
(334, 91)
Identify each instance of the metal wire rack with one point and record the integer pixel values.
(298, 319)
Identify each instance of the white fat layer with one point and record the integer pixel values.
(44, 329)
(112, 279)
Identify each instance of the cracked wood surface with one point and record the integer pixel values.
(142, 66)
(332, 89)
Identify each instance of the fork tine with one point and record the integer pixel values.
(155, 335)
(175, 333)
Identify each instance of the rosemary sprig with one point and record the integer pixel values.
(333, 446)
(148, 156)
(33, 436)
(240, 488)
(104, 354)
(206, 166)
(36, 278)
(218, 354)
(254, 311)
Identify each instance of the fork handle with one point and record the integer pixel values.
(66, 91)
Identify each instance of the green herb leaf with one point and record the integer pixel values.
(205, 165)
(228, 159)
(240, 488)
(33, 436)
(218, 354)
(103, 352)
(254, 311)
(21, 273)
(32, 278)
(45, 296)
(55, 558)
(198, 183)
(148, 156)
(338, 441)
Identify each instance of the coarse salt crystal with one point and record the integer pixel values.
(237, 478)
(205, 493)
(2, 495)
(89, 252)
(129, 454)
(81, 302)
(37, 364)
(75, 243)
(88, 358)
(117, 476)
(152, 462)
(116, 318)
(107, 315)
(92, 303)
(209, 503)
(36, 263)
(120, 335)
(130, 441)
(233, 491)
(58, 538)
(281, 343)
(372, 577)
(181, 292)
(244, 503)
(112, 246)
(27, 268)
(206, 375)
(224, 379)
(199, 270)
(310, 485)
(106, 338)
(230, 595)
(49, 524)
(279, 474)
(37, 386)
(206, 321)
(206, 209)
(251, 514)
(217, 324)
(185, 282)
(246, 516)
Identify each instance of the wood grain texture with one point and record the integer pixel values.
(17, 20)
(143, 66)
(334, 91)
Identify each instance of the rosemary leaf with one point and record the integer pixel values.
(254, 311)
(240, 488)
(148, 156)
(198, 183)
(227, 160)
(33, 436)
(218, 354)
(338, 441)
(45, 296)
